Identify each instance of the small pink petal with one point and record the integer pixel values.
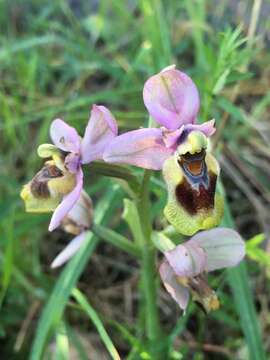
(69, 250)
(64, 136)
(187, 259)
(101, 129)
(82, 212)
(72, 162)
(178, 292)
(207, 128)
(171, 138)
(67, 203)
(143, 148)
(171, 98)
(224, 247)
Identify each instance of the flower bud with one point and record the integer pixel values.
(78, 221)
(80, 217)
(201, 292)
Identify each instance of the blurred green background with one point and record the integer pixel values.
(57, 58)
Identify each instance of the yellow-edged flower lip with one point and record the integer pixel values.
(195, 142)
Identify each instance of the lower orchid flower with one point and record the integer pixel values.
(184, 270)
(78, 221)
(58, 185)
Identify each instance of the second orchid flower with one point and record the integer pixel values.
(58, 185)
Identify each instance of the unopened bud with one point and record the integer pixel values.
(80, 217)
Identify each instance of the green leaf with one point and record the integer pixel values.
(156, 32)
(58, 299)
(131, 216)
(8, 266)
(26, 44)
(62, 346)
(116, 239)
(162, 242)
(221, 82)
(90, 311)
(259, 255)
(255, 240)
(231, 109)
(117, 171)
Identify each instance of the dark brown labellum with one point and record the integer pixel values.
(193, 200)
(197, 190)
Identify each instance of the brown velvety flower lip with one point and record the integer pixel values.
(39, 184)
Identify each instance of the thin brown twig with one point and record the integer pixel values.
(25, 325)
(210, 348)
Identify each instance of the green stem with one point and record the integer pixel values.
(148, 271)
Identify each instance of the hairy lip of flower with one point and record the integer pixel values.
(39, 184)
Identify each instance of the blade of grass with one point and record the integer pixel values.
(25, 44)
(82, 301)
(55, 306)
(197, 13)
(77, 343)
(62, 344)
(156, 31)
(116, 239)
(8, 255)
(238, 280)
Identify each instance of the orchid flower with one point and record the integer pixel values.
(59, 184)
(191, 176)
(77, 222)
(172, 100)
(184, 269)
(180, 147)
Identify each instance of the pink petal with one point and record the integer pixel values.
(187, 259)
(64, 136)
(82, 212)
(171, 98)
(144, 148)
(224, 247)
(178, 292)
(207, 128)
(72, 162)
(171, 138)
(69, 250)
(67, 203)
(101, 129)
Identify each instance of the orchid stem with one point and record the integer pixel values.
(148, 271)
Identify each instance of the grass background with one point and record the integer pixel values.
(56, 60)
